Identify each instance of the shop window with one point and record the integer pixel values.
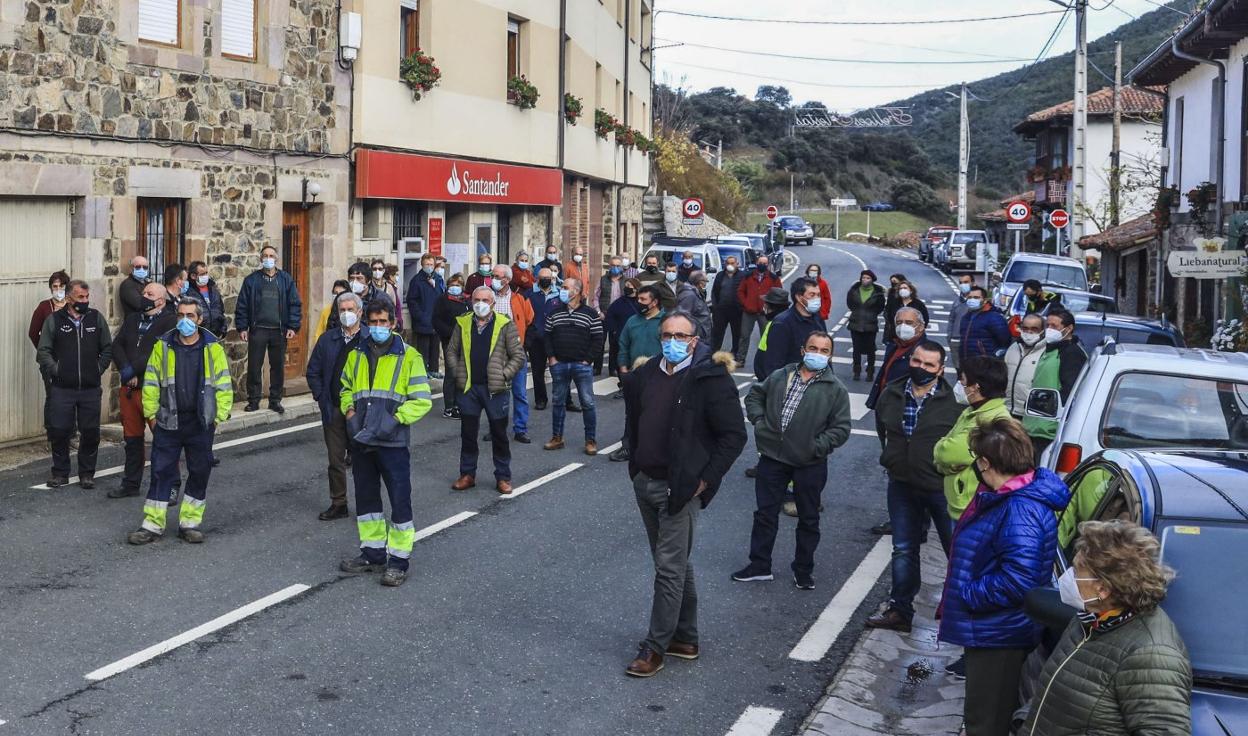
(370, 219)
(409, 27)
(597, 86)
(161, 232)
(238, 29)
(513, 48)
(408, 221)
(160, 21)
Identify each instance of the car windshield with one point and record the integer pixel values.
(963, 238)
(1162, 410)
(1073, 302)
(792, 222)
(1092, 333)
(742, 255)
(675, 256)
(1057, 274)
(1202, 599)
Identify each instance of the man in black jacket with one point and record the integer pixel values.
(685, 428)
(913, 413)
(130, 290)
(133, 346)
(267, 315)
(726, 306)
(75, 348)
(324, 374)
(574, 338)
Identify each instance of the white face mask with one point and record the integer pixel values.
(1030, 338)
(348, 319)
(578, 257)
(378, 273)
(482, 309)
(1051, 335)
(903, 293)
(202, 279)
(1068, 588)
(906, 332)
(268, 263)
(357, 287)
(552, 255)
(59, 295)
(730, 268)
(812, 275)
(959, 394)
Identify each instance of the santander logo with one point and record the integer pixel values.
(466, 184)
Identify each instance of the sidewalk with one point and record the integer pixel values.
(895, 683)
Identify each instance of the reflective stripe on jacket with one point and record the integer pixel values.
(385, 404)
(160, 393)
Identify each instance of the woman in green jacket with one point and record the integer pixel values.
(982, 381)
(1121, 667)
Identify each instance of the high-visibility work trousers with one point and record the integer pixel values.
(379, 540)
(195, 440)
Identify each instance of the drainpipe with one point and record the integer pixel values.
(1159, 280)
(1219, 175)
(628, 20)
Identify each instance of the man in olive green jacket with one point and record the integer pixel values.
(800, 415)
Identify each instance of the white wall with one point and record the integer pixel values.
(1139, 141)
(1199, 133)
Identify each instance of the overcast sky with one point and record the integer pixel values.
(982, 43)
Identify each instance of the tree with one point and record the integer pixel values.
(917, 198)
(778, 96)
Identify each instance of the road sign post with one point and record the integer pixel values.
(772, 213)
(1058, 220)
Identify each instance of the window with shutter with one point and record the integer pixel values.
(238, 28)
(160, 21)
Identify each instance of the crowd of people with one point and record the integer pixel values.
(962, 456)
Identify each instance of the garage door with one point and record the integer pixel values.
(34, 242)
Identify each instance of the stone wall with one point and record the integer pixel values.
(673, 222)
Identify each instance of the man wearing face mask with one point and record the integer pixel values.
(578, 269)
(175, 283)
(691, 298)
(574, 335)
(380, 285)
(965, 282)
(984, 329)
(683, 421)
(1021, 360)
(483, 358)
(204, 290)
(726, 308)
(423, 292)
(543, 298)
(750, 292)
(130, 291)
(611, 285)
(519, 310)
(324, 375)
(267, 315)
(800, 415)
(1059, 368)
(653, 275)
(75, 348)
(551, 259)
(686, 267)
(186, 392)
(133, 346)
(786, 337)
(912, 415)
(668, 286)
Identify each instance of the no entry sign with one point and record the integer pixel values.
(1059, 219)
(1018, 213)
(773, 212)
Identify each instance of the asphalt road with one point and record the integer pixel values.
(518, 617)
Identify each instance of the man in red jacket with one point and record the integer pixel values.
(750, 293)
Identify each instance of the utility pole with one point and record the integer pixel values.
(1115, 151)
(964, 160)
(792, 207)
(1078, 194)
(719, 155)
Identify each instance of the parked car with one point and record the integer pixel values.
(671, 249)
(931, 238)
(738, 247)
(1139, 396)
(1071, 301)
(795, 230)
(958, 251)
(1049, 270)
(1094, 328)
(759, 242)
(1194, 502)
(878, 207)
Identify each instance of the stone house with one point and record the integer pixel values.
(178, 129)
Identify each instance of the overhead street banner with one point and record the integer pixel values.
(876, 117)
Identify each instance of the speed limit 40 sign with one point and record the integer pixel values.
(691, 208)
(1018, 213)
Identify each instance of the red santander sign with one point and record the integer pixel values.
(392, 175)
(1059, 218)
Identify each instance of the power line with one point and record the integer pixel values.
(801, 82)
(806, 22)
(836, 60)
(1048, 45)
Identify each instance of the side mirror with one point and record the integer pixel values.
(711, 269)
(1045, 403)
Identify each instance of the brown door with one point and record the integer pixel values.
(295, 256)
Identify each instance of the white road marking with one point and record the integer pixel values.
(447, 523)
(756, 721)
(858, 406)
(610, 448)
(186, 637)
(819, 638)
(543, 480)
(865, 432)
(606, 386)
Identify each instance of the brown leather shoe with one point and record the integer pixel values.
(891, 619)
(682, 650)
(464, 483)
(556, 443)
(647, 664)
(504, 487)
(591, 448)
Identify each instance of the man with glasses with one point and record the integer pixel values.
(684, 423)
(574, 335)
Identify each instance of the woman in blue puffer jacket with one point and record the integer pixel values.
(1004, 545)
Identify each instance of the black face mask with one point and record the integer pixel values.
(979, 474)
(921, 377)
(544, 283)
(630, 294)
(652, 269)
(146, 305)
(81, 307)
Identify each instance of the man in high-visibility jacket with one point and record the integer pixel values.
(384, 391)
(186, 393)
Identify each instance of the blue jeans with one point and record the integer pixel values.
(520, 401)
(909, 511)
(562, 376)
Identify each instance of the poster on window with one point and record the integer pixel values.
(456, 257)
(435, 236)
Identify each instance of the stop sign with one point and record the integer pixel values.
(1059, 218)
(773, 212)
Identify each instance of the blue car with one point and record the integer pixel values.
(1196, 502)
(1093, 327)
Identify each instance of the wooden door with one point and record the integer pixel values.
(295, 258)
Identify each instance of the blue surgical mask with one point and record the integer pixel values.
(675, 351)
(565, 295)
(616, 270)
(379, 333)
(973, 304)
(816, 361)
(484, 268)
(813, 305)
(455, 290)
(139, 273)
(964, 288)
(186, 285)
(268, 263)
(670, 276)
(524, 265)
(187, 326)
